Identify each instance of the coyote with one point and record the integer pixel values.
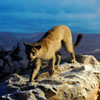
(48, 47)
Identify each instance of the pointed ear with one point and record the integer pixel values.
(27, 44)
(38, 47)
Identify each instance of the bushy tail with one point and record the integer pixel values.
(79, 38)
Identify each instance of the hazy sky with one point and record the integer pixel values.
(29, 16)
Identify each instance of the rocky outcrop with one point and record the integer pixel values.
(80, 81)
(87, 59)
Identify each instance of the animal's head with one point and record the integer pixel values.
(32, 51)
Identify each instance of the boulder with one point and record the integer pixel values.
(87, 59)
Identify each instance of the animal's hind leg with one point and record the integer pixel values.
(71, 51)
(69, 48)
(73, 57)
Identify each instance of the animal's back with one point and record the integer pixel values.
(57, 33)
(53, 38)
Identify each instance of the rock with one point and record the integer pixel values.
(25, 95)
(87, 59)
(48, 90)
(80, 81)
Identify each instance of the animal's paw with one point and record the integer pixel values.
(31, 83)
(73, 61)
(58, 69)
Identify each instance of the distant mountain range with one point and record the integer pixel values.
(90, 43)
(7, 39)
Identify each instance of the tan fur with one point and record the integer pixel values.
(48, 46)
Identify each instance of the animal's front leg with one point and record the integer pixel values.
(52, 65)
(35, 69)
(58, 60)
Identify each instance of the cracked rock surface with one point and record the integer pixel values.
(80, 81)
